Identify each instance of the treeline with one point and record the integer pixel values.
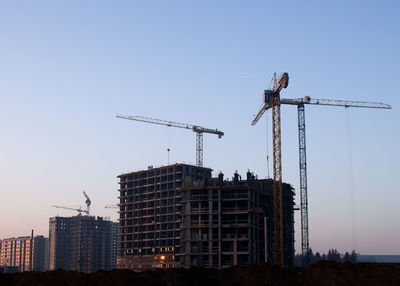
(332, 255)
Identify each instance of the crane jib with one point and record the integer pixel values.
(197, 129)
(331, 102)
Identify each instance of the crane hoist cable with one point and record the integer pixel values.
(351, 180)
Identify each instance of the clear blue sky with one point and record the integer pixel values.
(67, 67)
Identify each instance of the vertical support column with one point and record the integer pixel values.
(210, 228)
(155, 252)
(235, 250)
(187, 226)
(31, 252)
(250, 222)
(199, 149)
(220, 226)
(277, 185)
(265, 239)
(303, 184)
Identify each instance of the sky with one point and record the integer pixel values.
(68, 67)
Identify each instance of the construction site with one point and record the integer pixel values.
(178, 215)
(199, 143)
(82, 243)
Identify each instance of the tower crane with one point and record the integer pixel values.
(271, 100)
(80, 210)
(111, 206)
(300, 102)
(88, 202)
(195, 128)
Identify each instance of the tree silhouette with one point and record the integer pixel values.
(346, 257)
(353, 257)
(317, 257)
(334, 255)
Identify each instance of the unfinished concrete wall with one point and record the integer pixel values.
(150, 215)
(222, 224)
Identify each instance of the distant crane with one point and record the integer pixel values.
(272, 100)
(195, 128)
(80, 210)
(88, 202)
(111, 206)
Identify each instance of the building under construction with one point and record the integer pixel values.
(150, 215)
(81, 243)
(227, 223)
(178, 215)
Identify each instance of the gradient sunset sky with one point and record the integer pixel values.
(68, 67)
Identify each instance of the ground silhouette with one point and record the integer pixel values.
(321, 273)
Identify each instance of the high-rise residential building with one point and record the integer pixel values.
(28, 253)
(40, 253)
(230, 222)
(150, 215)
(80, 243)
(178, 215)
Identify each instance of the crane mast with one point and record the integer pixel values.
(195, 128)
(305, 243)
(272, 100)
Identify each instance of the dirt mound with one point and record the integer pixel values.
(321, 273)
